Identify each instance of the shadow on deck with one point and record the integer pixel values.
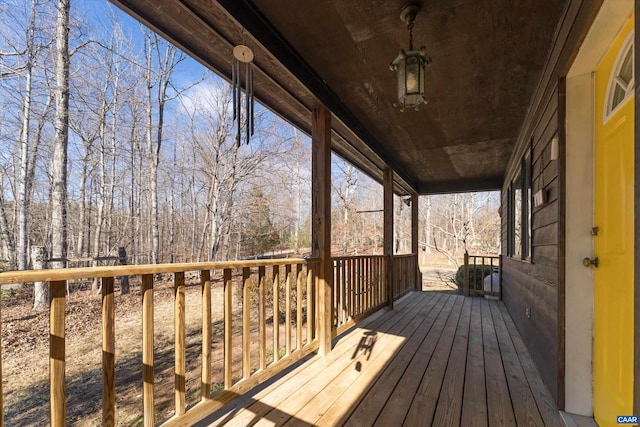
(435, 360)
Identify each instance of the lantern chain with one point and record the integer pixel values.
(410, 27)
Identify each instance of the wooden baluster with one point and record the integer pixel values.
(57, 353)
(369, 283)
(374, 281)
(348, 298)
(276, 313)
(354, 287)
(338, 295)
(147, 349)
(228, 313)
(465, 287)
(262, 318)
(335, 308)
(299, 308)
(108, 353)
(287, 314)
(482, 276)
(360, 285)
(205, 382)
(344, 295)
(310, 321)
(180, 367)
(246, 322)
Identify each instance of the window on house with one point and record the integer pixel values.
(621, 82)
(519, 212)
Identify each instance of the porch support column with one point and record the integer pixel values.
(388, 232)
(321, 224)
(414, 240)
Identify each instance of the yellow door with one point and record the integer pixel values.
(613, 244)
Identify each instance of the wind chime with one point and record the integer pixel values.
(243, 64)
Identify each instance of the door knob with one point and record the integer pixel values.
(588, 262)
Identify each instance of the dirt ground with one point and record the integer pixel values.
(438, 279)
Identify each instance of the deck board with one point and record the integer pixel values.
(498, 398)
(449, 406)
(386, 394)
(474, 404)
(435, 360)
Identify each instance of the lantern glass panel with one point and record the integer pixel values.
(400, 72)
(412, 75)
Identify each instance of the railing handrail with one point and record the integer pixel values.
(22, 276)
(343, 257)
(484, 256)
(404, 255)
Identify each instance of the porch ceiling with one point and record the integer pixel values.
(487, 59)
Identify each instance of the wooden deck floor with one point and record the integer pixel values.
(436, 360)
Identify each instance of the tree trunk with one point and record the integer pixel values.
(40, 289)
(6, 236)
(124, 280)
(59, 169)
(23, 186)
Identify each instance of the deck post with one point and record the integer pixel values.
(388, 232)
(321, 224)
(466, 274)
(414, 240)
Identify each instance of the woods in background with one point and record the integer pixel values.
(111, 137)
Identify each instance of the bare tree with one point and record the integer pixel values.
(59, 167)
(158, 76)
(25, 67)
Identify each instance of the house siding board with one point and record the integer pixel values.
(527, 291)
(546, 255)
(547, 235)
(536, 283)
(545, 214)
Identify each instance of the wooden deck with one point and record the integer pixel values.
(435, 360)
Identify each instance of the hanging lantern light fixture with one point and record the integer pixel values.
(409, 66)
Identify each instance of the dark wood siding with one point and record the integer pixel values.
(538, 283)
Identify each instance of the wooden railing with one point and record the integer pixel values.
(249, 291)
(482, 275)
(358, 288)
(404, 274)
(285, 285)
